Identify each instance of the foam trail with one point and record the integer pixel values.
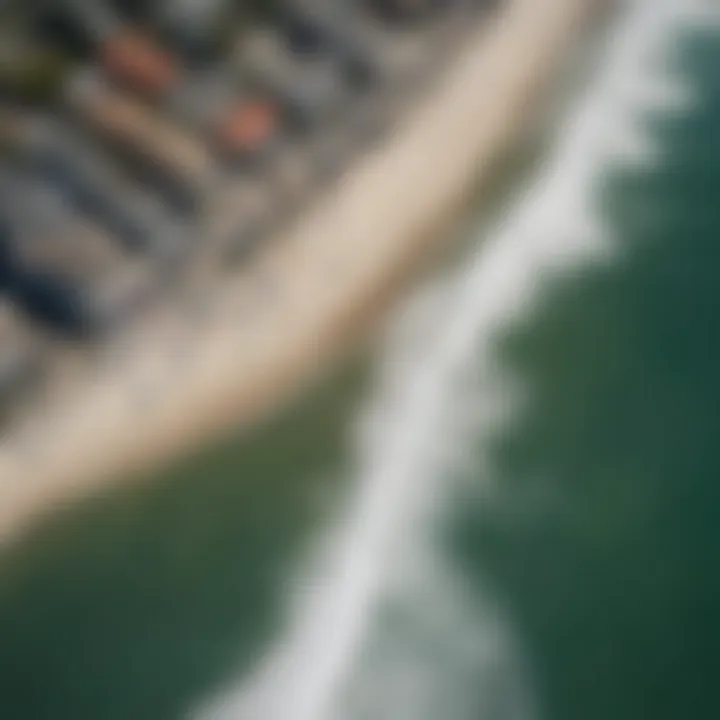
(382, 555)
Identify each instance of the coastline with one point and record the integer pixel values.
(311, 293)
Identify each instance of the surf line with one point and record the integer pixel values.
(382, 546)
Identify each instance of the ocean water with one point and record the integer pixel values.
(506, 509)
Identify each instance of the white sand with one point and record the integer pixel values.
(313, 291)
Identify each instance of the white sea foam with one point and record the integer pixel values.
(383, 626)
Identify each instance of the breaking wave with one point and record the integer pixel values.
(383, 626)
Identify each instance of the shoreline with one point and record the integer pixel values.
(310, 293)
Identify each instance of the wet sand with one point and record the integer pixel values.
(185, 376)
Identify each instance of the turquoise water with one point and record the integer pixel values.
(508, 511)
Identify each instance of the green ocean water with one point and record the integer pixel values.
(616, 584)
(598, 541)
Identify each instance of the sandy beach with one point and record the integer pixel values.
(187, 376)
